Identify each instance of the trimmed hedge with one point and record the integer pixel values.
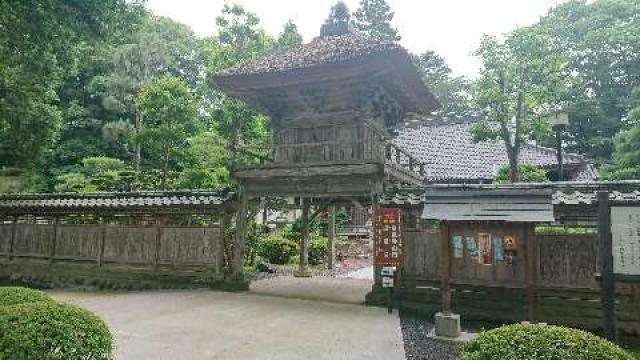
(276, 249)
(318, 249)
(53, 331)
(541, 342)
(18, 295)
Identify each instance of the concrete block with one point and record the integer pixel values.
(447, 325)
(302, 274)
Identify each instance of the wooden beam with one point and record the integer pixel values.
(445, 268)
(308, 170)
(607, 281)
(315, 213)
(331, 232)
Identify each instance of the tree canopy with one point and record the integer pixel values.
(373, 18)
(105, 96)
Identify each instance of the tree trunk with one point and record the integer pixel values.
(513, 165)
(165, 169)
(137, 152)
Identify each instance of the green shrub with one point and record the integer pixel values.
(52, 331)
(532, 342)
(318, 249)
(18, 295)
(276, 249)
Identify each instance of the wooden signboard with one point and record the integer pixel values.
(388, 237)
(625, 231)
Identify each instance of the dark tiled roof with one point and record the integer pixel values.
(565, 193)
(450, 155)
(589, 198)
(151, 201)
(532, 205)
(321, 50)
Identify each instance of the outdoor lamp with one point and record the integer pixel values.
(559, 122)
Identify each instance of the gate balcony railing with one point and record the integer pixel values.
(395, 155)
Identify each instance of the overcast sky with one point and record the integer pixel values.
(452, 28)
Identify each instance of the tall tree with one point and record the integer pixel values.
(171, 113)
(601, 43)
(41, 43)
(161, 46)
(373, 18)
(239, 39)
(289, 37)
(625, 164)
(454, 93)
(521, 80)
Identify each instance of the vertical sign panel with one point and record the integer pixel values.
(388, 237)
(625, 231)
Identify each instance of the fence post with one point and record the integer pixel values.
(605, 253)
(156, 255)
(13, 237)
(54, 241)
(532, 273)
(103, 238)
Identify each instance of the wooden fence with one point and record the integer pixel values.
(111, 251)
(567, 290)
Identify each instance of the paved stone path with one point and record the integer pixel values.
(216, 325)
(362, 274)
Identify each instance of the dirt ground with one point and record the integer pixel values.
(267, 323)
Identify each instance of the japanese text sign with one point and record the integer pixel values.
(388, 237)
(625, 231)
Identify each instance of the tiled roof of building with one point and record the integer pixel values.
(563, 193)
(450, 154)
(145, 200)
(321, 50)
(589, 198)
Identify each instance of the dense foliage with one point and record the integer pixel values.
(10, 296)
(526, 173)
(534, 342)
(318, 249)
(52, 331)
(276, 249)
(81, 81)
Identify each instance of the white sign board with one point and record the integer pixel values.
(625, 231)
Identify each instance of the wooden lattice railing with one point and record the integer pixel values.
(395, 155)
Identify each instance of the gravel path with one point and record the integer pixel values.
(344, 267)
(417, 345)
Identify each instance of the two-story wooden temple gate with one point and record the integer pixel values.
(334, 105)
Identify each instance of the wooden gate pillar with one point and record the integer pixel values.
(445, 267)
(304, 243)
(331, 232)
(240, 236)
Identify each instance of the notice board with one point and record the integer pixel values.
(388, 237)
(625, 232)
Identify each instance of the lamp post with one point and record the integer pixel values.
(559, 122)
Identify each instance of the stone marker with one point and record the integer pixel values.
(447, 325)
